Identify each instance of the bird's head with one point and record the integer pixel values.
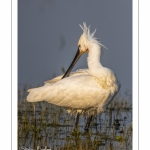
(86, 39)
(85, 42)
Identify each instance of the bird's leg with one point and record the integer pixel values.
(88, 123)
(77, 120)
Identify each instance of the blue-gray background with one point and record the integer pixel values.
(48, 32)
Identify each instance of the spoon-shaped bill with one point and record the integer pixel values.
(77, 56)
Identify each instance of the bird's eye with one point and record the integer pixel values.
(79, 46)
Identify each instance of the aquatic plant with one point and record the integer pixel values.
(51, 126)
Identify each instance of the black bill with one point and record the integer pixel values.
(77, 56)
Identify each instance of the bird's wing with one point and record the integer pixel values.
(77, 72)
(80, 91)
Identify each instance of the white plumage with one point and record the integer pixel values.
(83, 90)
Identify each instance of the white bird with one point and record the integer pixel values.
(84, 90)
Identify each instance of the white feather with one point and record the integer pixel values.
(84, 90)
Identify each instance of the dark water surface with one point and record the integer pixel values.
(52, 127)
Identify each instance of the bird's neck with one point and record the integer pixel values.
(93, 60)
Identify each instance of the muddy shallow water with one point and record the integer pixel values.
(52, 127)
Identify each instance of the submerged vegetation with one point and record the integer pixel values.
(50, 126)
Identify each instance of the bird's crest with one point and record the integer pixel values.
(90, 36)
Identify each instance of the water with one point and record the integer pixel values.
(54, 128)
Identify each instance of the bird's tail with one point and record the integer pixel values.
(36, 94)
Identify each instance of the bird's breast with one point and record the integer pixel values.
(108, 83)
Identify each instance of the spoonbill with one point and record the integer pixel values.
(85, 90)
